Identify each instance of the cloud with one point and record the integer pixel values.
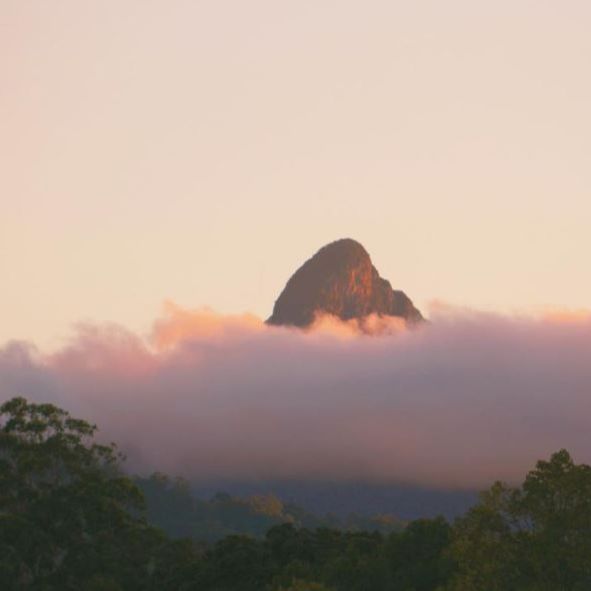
(459, 402)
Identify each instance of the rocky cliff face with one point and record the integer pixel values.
(341, 280)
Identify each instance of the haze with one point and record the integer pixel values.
(461, 402)
(201, 150)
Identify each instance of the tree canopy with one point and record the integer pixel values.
(70, 519)
(537, 536)
(67, 513)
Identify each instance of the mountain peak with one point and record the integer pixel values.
(340, 280)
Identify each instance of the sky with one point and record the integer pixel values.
(199, 151)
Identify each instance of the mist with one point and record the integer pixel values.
(457, 403)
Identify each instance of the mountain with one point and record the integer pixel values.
(340, 280)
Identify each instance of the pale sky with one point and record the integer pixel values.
(199, 151)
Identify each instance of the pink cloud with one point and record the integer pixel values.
(459, 402)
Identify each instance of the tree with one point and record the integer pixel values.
(419, 557)
(236, 563)
(536, 537)
(299, 585)
(68, 515)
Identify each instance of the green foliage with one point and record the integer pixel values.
(71, 520)
(419, 556)
(299, 585)
(536, 537)
(357, 561)
(68, 516)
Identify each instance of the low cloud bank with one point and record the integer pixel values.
(459, 402)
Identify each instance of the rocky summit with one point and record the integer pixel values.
(340, 280)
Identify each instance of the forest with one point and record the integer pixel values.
(72, 519)
(172, 506)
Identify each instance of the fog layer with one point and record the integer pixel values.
(458, 402)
